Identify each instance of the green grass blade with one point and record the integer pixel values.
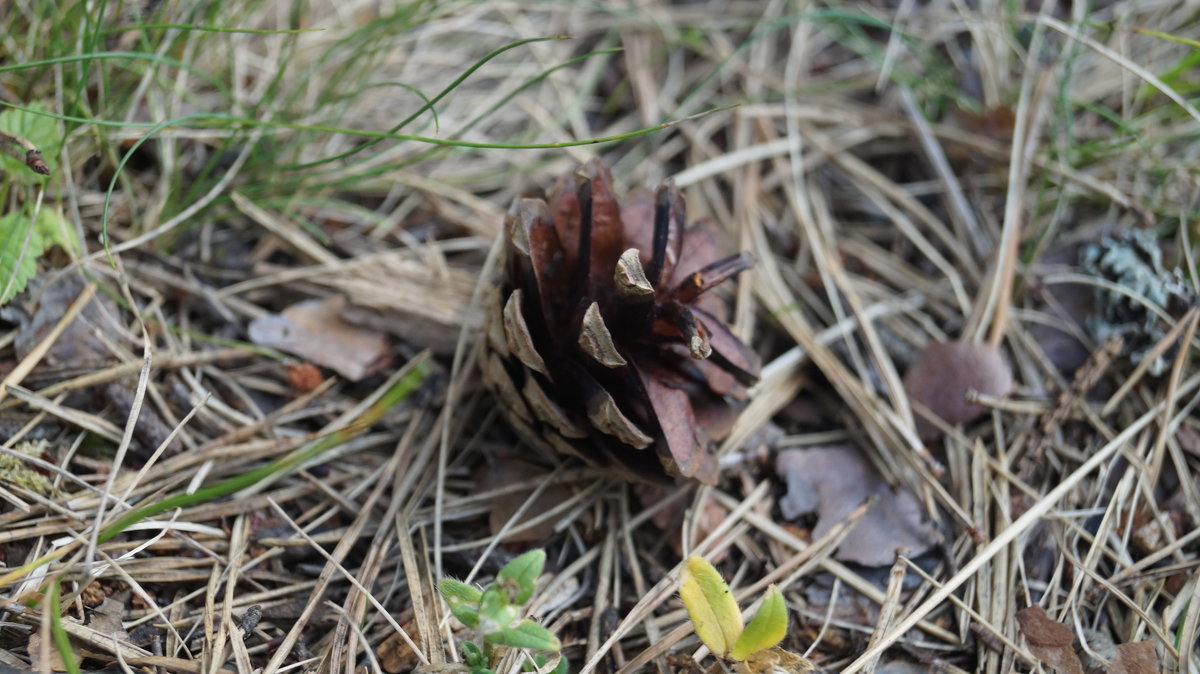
(205, 29)
(57, 631)
(397, 393)
(428, 103)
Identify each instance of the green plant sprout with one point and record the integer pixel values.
(497, 612)
(753, 648)
(32, 228)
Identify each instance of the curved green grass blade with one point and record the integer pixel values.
(57, 631)
(428, 103)
(206, 29)
(398, 392)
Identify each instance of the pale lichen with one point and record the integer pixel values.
(1145, 292)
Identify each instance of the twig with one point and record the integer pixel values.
(9, 142)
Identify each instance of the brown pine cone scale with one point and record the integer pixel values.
(603, 341)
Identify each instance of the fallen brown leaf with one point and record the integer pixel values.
(395, 655)
(833, 481)
(315, 330)
(425, 305)
(1135, 658)
(508, 471)
(1049, 640)
(38, 643)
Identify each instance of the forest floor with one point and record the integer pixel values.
(243, 420)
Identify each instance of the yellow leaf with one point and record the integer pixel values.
(710, 605)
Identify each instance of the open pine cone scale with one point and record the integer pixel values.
(603, 341)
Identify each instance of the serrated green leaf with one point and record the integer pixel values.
(519, 577)
(40, 130)
(20, 247)
(710, 606)
(527, 634)
(766, 629)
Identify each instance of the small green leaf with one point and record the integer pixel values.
(462, 599)
(539, 661)
(472, 655)
(496, 612)
(56, 231)
(519, 577)
(20, 247)
(40, 130)
(710, 605)
(527, 634)
(467, 614)
(766, 629)
(458, 592)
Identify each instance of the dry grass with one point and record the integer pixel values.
(902, 174)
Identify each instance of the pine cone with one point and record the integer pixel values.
(603, 341)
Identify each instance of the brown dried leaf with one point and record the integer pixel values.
(1138, 657)
(507, 471)
(1049, 640)
(833, 481)
(946, 371)
(405, 297)
(395, 655)
(314, 330)
(38, 642)
(79, 342)
(669, 517)
(107, 618)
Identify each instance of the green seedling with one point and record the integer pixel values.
(752, 648)
(497, 612)
(29, 227)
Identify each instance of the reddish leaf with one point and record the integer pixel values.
(1049, 640)
(946, 371)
